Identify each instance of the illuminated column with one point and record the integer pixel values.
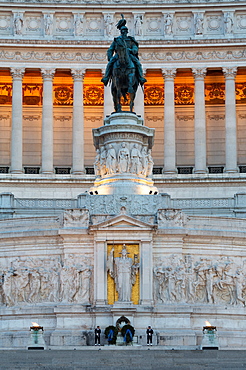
(146, 273)
(108, 99)
(100, 272)
(230, 120)
(16, 135)
(47, 121)
(169, 122)
(200, 121)
(139, 100)
(78, 121)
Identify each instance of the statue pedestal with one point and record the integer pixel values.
(124, 163)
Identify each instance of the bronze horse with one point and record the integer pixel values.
(124, 78)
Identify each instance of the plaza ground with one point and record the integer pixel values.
(122, 358)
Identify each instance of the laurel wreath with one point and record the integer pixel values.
(115, 333)
(127, 327)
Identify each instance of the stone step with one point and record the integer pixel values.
(130, 358)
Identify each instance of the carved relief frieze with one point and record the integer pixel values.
(76, 217)
(185, 117)
(216, 55)
(191, 279)
(31, 281)
(171, 217)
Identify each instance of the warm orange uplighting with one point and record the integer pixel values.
(35, 324)
(207, 323)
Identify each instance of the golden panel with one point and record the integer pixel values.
(154, 95)
(133, 250)
(215, 93)
(5, 93)
(184, 94)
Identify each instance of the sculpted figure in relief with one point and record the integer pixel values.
(97, 168)
(48, 25)
(168, 24)
(123, 270)
(209, 281)
(108, 24)
(123, 158)
(36, 281)
(199, 25)
(111, 160)
(18, 24)
(150, 164)
(136, 166)
(103, 156)
(78, 25)
(228, 23)
(139, 25)
(144, 158)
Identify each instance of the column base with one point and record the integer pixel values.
(78, 173)
(201, 171)
(170, 172)
(231, 170)
(16, 171)
(47, 172)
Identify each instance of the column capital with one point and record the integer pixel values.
(48, 73)
(199, 73)
(78, 74)
(17, 73)
(229, 72)
(169, 73)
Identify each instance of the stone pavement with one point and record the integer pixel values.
(123, 359)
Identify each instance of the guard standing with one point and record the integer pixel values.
(149, 333)
(97, 336)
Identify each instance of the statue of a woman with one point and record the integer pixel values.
(123, 270)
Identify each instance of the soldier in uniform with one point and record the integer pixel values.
(149, 333)
(97, 336)
(132, 46)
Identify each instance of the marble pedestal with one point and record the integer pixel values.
(124, 164)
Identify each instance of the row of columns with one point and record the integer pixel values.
(47, 121)
(200, 121)
(169, 120)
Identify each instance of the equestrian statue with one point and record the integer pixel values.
(124, 69)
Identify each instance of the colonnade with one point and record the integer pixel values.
(169, 120)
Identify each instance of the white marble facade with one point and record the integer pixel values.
(54, 234)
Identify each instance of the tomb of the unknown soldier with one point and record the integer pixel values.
(122, 184)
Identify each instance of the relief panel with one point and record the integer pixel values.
(63, 24)
(183, 24)
(5, 23)
(33, 24)
(214, 23)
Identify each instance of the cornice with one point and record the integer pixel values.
(122, 3)
(95, 56)
(105, 43)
